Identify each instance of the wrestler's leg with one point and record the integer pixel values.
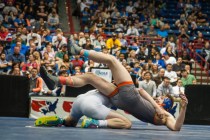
(104, 116)
(78, 81)
(116, 120)
(99, 83)
(120, 74)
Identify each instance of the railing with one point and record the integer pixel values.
(204, 68)
(199, 61)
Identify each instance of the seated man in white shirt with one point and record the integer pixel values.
(169, 59)
(171, 74)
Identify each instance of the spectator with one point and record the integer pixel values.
(49, 50)
(205, 52)
(105, 14)
(99, 43)
(41, 24)
(109, 26)
(188, 7)
(180, 5)
(77, 62)
(83, 4)
(131, 59)
(36, 83)
(47, 61)
(66, 61)
(132, 31)
(16, 57)
(165, 88)
(162, 32)
(169, 59)
(9, 7)
(154, 20)
(163, 24)
(9, 20)
(59, 42)
(3, 63)
(183, 37)
(2, 48)
(59, 55)
(20, 21)
(94, 6)
(30, 64)
(202, 19)
(158, 60)
(187, 79)
(85, 16)
(77, 71)
(53, 20)
(179, 66)
(13, 66)
(54, 38)
(88, 45)
(36, 39)
(42, 13)
(186, 58)
(172, 43)
(171, 74)
(37, 58)
(148, 85)
(159, 78)
(141, 53)
(82, 39)
(119, 27)
(32, 48)
(154, 70)
(3, 33)
(90, 64)
(178, 89)
(197, 5)
(151, 32)
(23, 48)
(16, 72)
(129, 8)
(113, 43)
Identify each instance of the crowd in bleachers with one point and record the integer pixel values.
(144, 35)
(152, 36)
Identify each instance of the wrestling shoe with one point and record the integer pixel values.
(51, 81)
(90, 123)
(49, 121)
(73, 48)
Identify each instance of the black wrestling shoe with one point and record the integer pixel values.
(73, 48)
(51, 81)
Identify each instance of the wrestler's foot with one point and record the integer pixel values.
(49, 121)
(90, 123)
(51, 81)
(73, 48)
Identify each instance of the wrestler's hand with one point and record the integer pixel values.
(160, 112)
(184, 100)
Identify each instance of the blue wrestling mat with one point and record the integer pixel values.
(23, 129)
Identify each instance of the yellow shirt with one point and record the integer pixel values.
(110, 43)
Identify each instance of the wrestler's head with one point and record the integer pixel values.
(165, 102)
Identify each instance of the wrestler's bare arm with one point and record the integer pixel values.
(147, 97)
(175, 125)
